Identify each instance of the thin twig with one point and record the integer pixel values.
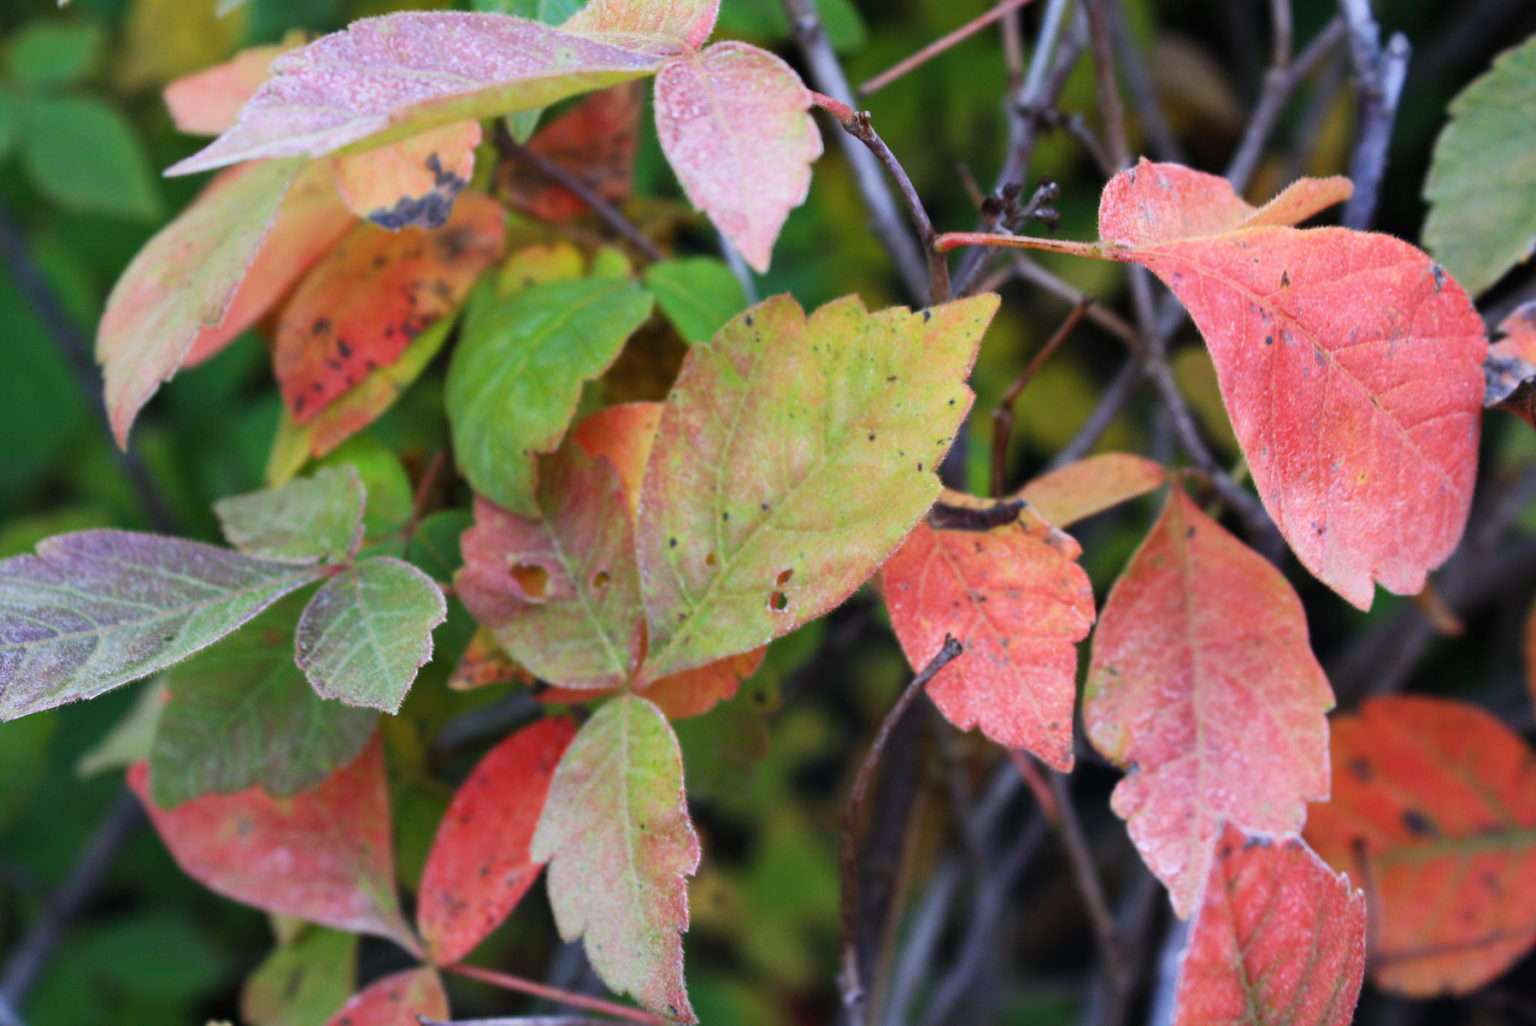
(1143, 93)
(548, 993)
(510, 147)
(826, 74)
(938, 46)
(850, 979)
(1037, 274)
(1117, 963)
(31, 954)
(1002, 416)
(1379, 77)
(521, 1020)
(1111, 109)
(8, 1016)
(1279, 83)
(1116, 394)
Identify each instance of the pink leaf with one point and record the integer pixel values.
(207, 102)
(480, 865)
(396, 1000)
(1204, 688)
(323, 855)
(387, 78)
(1279, 938)
(734, 123)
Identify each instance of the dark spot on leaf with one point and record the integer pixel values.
(671, 543)
(784, 577)
(1189, 532)
(1418, 824)
(778, 602)
(602, 579)
(749, 321)
(709, 560)
(1285, 279)
(1361, 769)
(927, 316)
(1269, 340)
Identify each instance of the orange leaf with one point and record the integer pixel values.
(624, 434)
(1204, 689)
(396, 1000)
(695, 692)
(1007, 587)
(206, 102)
(1278, 939)
(411, 183)
(1434, 814)
(595, 141)
(1350, 364)
(325, 855)
(376, 291)
(484, 663)
(480, 866)
(1079, 490)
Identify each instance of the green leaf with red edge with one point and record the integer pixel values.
(319, 517)
(1434, 814)
(595, 142)
(361, 306)
(619, 844)
(480, 866)
(1279, 938)
(368, 630)
(560, 593)
(411, 183)
(96, 609)
(516, 376)
(181, 282)
(323, 856)
(1349, 362)
(641, 23)
(793, 456)
(1203, 687)
(1079, 490)
(383, 79)
(400, 999)
(208, 101)
(1006, 585)
(303, 981)
(735, 124)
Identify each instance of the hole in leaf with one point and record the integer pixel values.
(601, 580)
(784, 577)
(778, 602)
(532, 578)
(709, 560)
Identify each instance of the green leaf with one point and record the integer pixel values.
(616, 831)
(314, 518)
(516, 376)
(368, 630)
(1481, 219)
(434, 546)
(793, 456)
(10, 121)
(545, 12)
(45, 54)
(697, 294)
(241, 714)
(96, 609)
(302, 983)
(24, 748)
(388, 487)
(84, 155)
(131, 739)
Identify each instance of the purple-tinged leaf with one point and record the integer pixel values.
(387, 78)
(314, 518)
(96, 609)
(368, 630)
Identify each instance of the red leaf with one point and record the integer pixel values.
(396, 1000)
(1350, 363)
(1278, 939)
(595, 141)
(1434, 814)
(207, 102)
(324, 855)
(375, 292)
(1204, 688)
(480, 867)
(639, 22)
(1010, 592)
(734, 123)
(619, 843)
(1079, 490)
(562, 593)
(411, 183)
(387, 78)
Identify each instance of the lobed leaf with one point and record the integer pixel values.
(1008, 588)
(1434, 814)
(1088, 486)
(793, 455)
(319, 517)
(1279, 938)
(480, 865)
(516, 377)
(386, 78)
(735, 125)
(1204, 689)
(323, 856)
(619, 843)
(368, 630)
(242, 715)
(411, 183)
(400, 999)
(1350, 364)
(95, 609)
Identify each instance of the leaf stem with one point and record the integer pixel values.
(849, 979)
(1093, 250)
(506, 981)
